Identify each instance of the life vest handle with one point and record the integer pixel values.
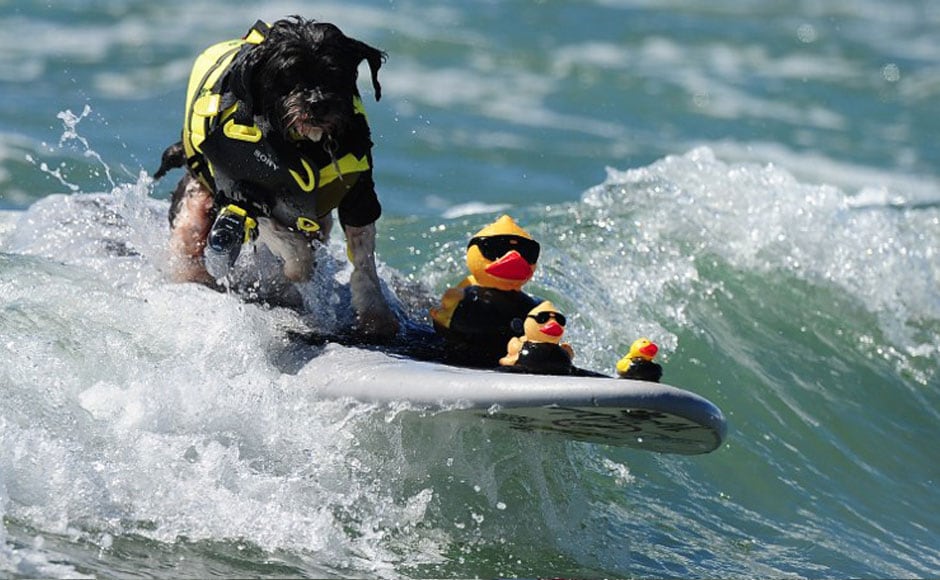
(249, 133)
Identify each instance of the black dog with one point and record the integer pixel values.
(274, 138)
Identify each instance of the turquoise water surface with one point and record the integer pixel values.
(753, 185)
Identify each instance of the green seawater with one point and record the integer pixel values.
(752, 186)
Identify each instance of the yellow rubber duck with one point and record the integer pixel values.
(478, 312)
(540, 349)
(638, 362)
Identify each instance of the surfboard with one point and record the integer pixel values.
(602, 410)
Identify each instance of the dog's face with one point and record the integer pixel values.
(302, 78)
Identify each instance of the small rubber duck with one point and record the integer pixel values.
(638, 362)
(477, 315)
(540, 349)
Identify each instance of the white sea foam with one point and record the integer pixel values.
(516, 97)
(33, 561)
(472, 208)
(176, 429)
(762, 219)
(709, 75)
(866, 185)
(166, 429)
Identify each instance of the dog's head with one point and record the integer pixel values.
(302, 78)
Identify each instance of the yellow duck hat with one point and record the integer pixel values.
(505, 225)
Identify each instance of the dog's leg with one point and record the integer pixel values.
(192, 207)
(326, 226)
(375, 316)
(291, 247)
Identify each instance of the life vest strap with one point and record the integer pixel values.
(258, 32)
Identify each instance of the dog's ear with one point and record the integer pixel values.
(240, 78)
(375, 58)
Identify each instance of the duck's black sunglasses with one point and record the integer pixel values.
(543, 317)
(495, 247)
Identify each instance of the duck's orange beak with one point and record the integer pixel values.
(512, 266)
(552, 329)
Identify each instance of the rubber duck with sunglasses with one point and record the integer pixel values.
(476, 317)
(539, 349)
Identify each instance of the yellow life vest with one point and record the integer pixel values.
(210, 123)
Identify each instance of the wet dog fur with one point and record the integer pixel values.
(301, 81)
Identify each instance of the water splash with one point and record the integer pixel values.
(56, 173)
(70, 136)
(70, 122)
(168, 419)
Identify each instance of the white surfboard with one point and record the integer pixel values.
(644, 415)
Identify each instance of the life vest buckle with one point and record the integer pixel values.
(207, 105)
(249, 133)
(308, 225)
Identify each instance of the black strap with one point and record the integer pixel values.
(261, 26)
(236, 85)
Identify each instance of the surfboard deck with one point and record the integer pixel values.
(643, 415)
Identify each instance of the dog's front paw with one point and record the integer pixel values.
(380, 324)
(374, 316)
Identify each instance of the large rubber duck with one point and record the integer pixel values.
(476, 317)
(638, 362)
(540, 349)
